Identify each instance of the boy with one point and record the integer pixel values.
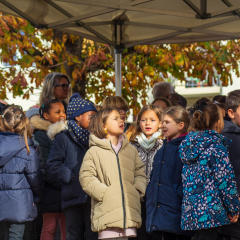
(232, 131)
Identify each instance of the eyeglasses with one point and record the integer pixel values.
(64, 86)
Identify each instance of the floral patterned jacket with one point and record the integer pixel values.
(209, 185)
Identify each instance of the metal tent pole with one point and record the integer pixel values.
(118, 72)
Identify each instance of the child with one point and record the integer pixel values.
(232, 130)
(21, 180)
(147, 139)
(162, 102)
(112, 173)
(210, 196)
(65, 161)
(52, 118)
(164, 193)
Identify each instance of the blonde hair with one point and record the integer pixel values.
(115, 102)
(48, 87)
(147, 108)
(14, 120)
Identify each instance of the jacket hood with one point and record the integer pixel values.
(7, 141)
(56, 128)
(38, 123)
(196, 142)
(230, 127)
(105, 144)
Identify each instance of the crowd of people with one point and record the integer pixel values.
(71, 168)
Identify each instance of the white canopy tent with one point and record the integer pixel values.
(127, 23)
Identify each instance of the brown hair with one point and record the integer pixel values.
(205, 118)
(163, 99)
(147, 108)
(115, 102)
(97, 122)
(178, 114)
(233, 100)
(14, 120)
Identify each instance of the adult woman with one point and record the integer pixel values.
(56, 85)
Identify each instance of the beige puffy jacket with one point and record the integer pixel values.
(115, 182)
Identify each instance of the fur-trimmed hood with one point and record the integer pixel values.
(52, 129)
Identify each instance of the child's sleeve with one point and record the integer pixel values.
(140, 178)
(55, 163)
(225, 180)
(89, 180)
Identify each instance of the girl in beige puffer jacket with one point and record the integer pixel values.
(112, 173)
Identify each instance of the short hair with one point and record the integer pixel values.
(182, 100)
(233, 100)
(115, 102)
(178, 114)
(162, 89)
(97, 122)
(163, 99)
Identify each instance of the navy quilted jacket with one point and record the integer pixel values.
(21, 180)
(165, 191)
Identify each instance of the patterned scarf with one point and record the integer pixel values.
(81, 133)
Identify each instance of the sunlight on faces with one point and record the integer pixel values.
(161, 104)
(114, 124)
(59, 92)
(170, 128)
(149, 123)
(56, 113)
(83, 120)
(235, 116)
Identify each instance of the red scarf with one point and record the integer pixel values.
(182, 135)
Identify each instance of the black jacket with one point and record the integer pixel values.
(21, 180)
(232, 131)
(65, 160)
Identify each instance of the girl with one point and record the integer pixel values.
(164, 193)
(112, 173)
(147, 139)
(65, 160)
(210, 196)
(21, 180)
(52, 118)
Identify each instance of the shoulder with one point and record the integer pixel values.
(55, 129)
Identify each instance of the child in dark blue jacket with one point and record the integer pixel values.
(65, 160)
(210, 197)
(21, 180)
(164, 192)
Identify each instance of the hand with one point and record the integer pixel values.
(233, 219)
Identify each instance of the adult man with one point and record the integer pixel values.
(162, 89)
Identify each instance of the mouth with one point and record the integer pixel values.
(121, 126)
(148, 129)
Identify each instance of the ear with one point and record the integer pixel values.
(231, 113)
(78, 118)
(45, 116)
(160, 124)
(181, 126)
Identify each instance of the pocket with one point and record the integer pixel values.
(111, 191)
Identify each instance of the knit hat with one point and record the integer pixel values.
(32, 111)
(78, 106)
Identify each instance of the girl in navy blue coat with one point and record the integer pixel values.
(210, 197)
(165, 191)
(21, 180)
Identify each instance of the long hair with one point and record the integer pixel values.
(147, 108)
(48, 87)
(14, 120)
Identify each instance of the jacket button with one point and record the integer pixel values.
(162, 161)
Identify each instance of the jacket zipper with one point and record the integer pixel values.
(121, 184)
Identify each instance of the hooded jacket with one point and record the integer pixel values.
(21, 180)
(64, 161)
(165, 191)
(209, 185)
(44, 133)
(115, 182)
(148, 156)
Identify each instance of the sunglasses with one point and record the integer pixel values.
(64, 86)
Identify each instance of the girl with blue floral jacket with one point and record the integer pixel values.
(210, 197)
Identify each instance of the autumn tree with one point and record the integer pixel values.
(33, 53)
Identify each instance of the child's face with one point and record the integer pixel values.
(114, 124)
(161, 104)
(56, 113)
(170, 128)
(83, 120)
(235, 116)
(149, 123)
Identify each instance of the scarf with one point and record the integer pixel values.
(148, 144)
(81, 133)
